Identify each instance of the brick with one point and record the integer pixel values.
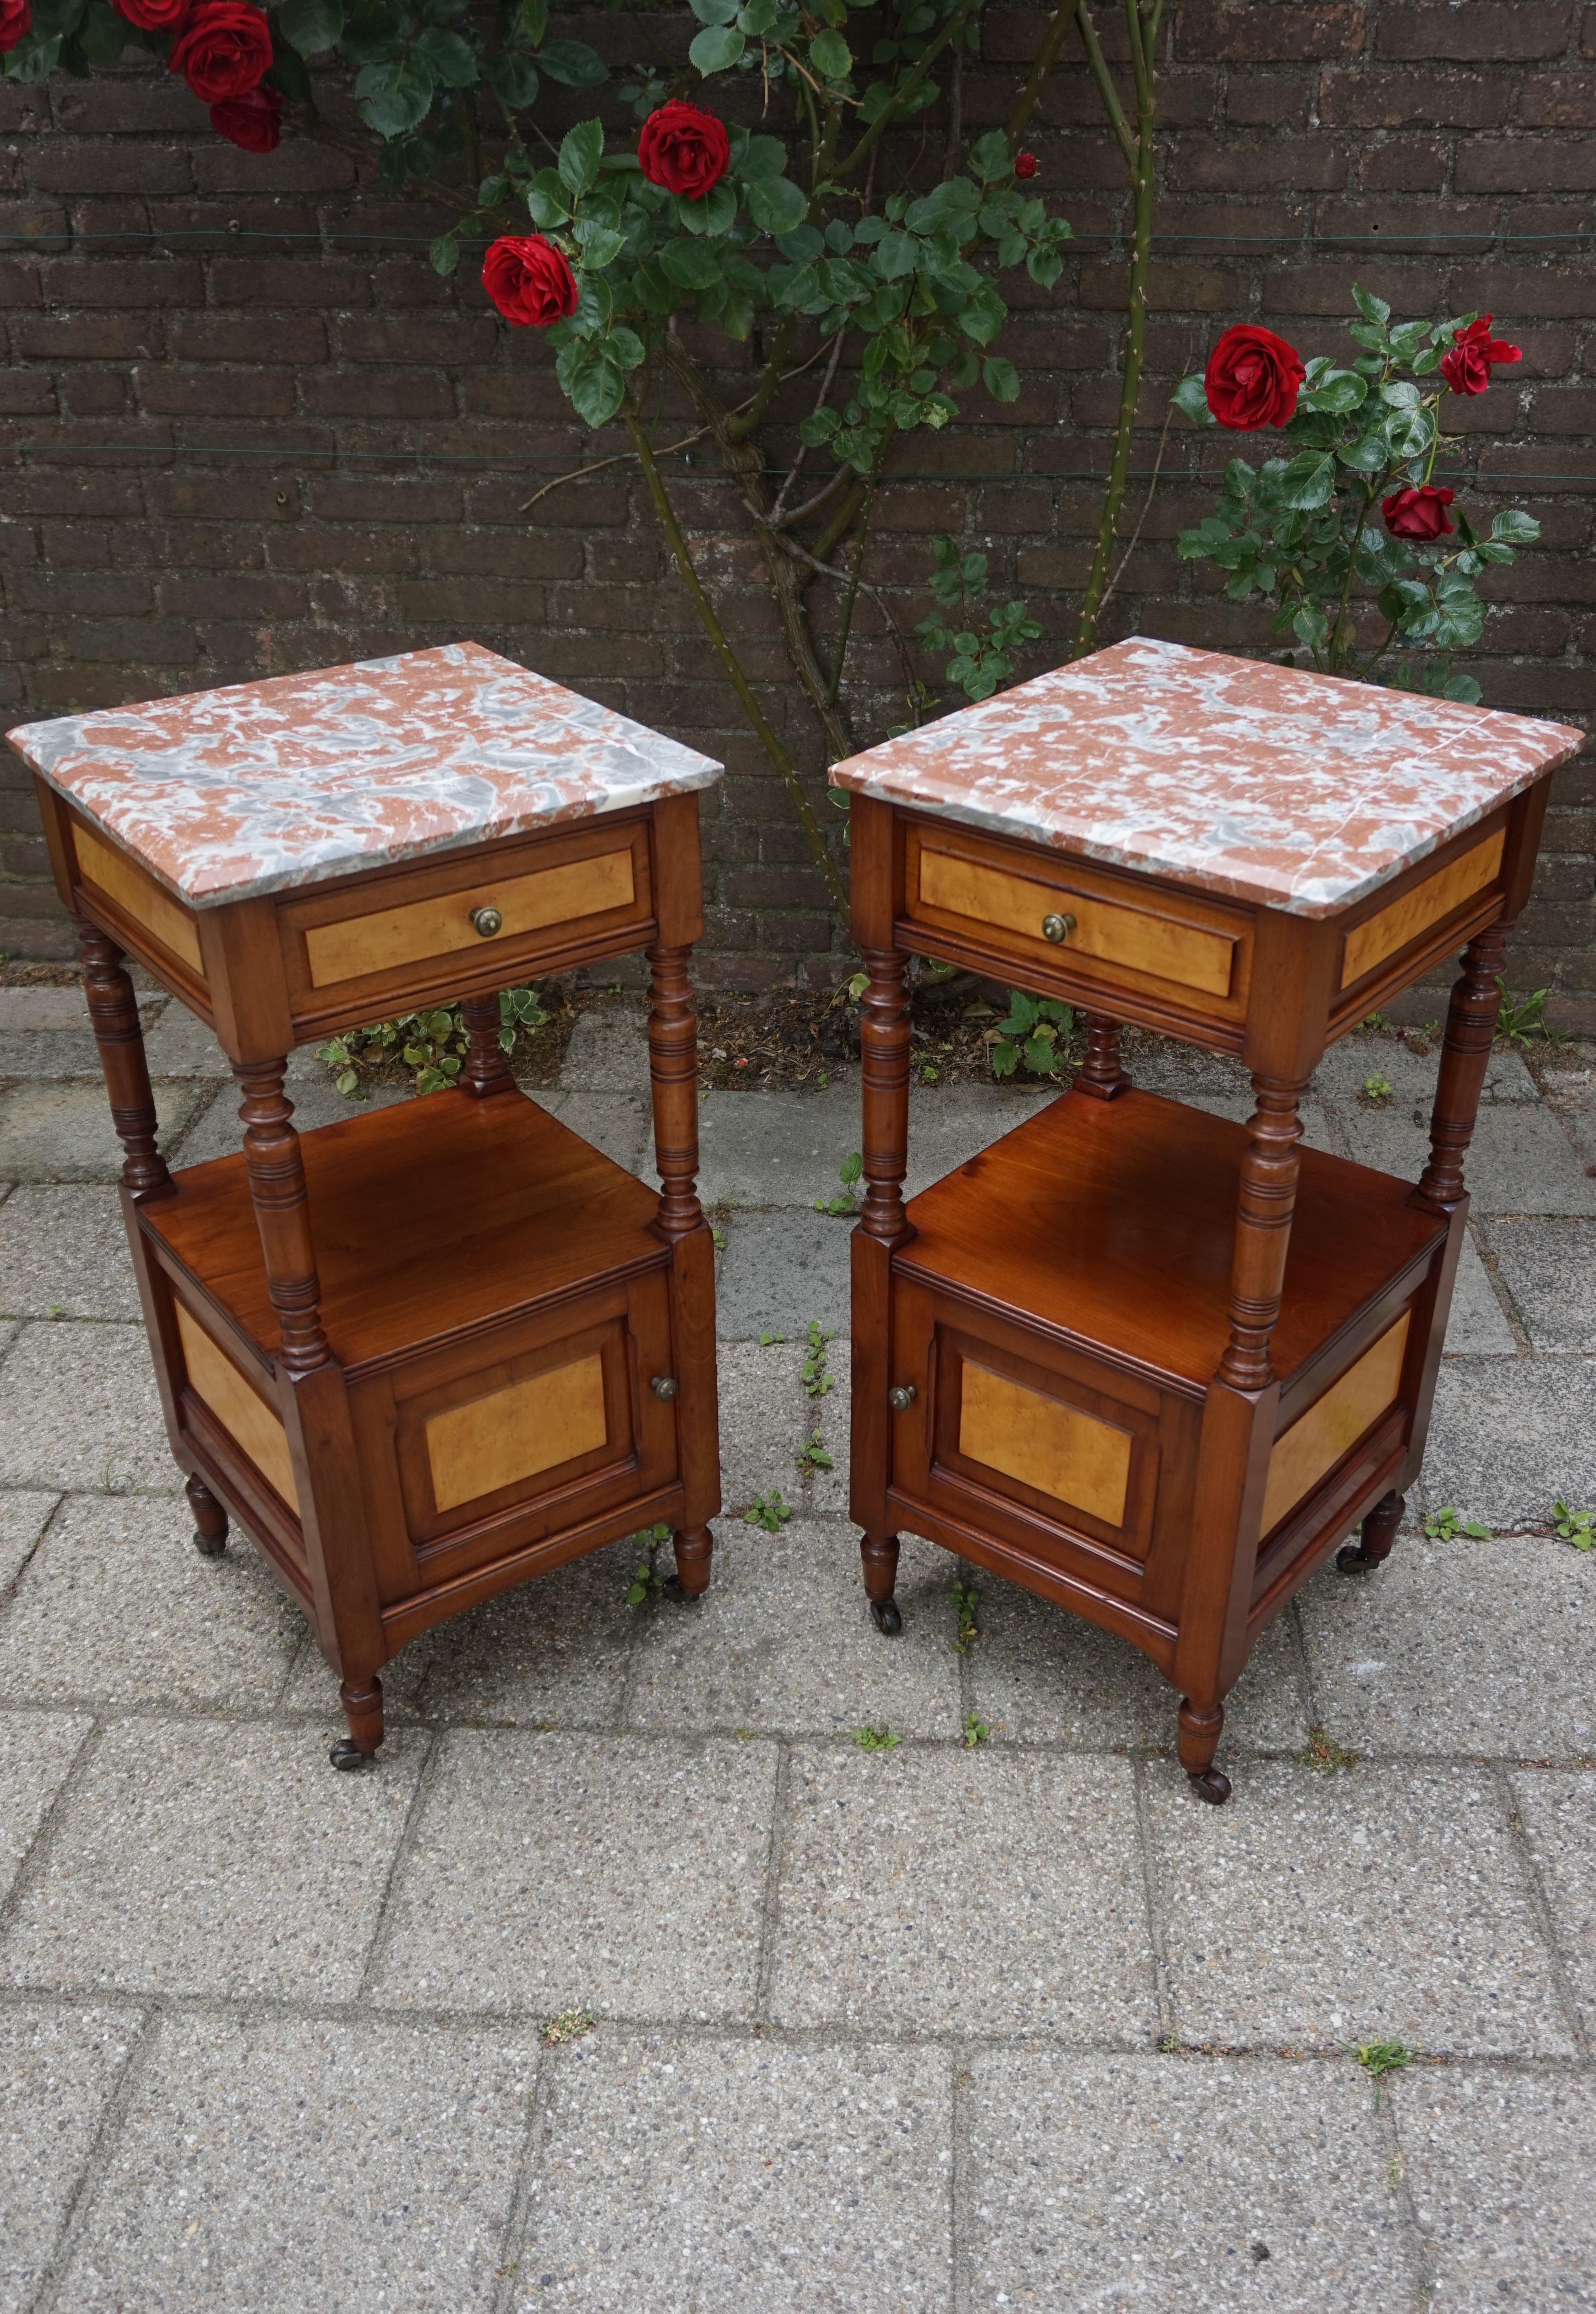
(462, 602)
(1558, 100)
(298, 166)
(1473, 31)
(1564, 410)
(381, 498)
(448, 340)
(1253, 31)
(19, 282)
(183, 545)
(1524, 164)
(37, 488)
(1531, 288)
(1405, 164)
(143, 103)
(197, 492)
(89, 595)
(232, 595)
(75, 166)
(1308, 163)
(313, 548)
(130, 641)
(377, 393)
(67, 337)
(174, 391)
(299, 338)
(27, 393)
(75, 281)
(1371, 98)
(1258, 101)
(287, 281)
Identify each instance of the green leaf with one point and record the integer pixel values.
(990, 158)
(395, 97)
(514, 79)
(104, 34)
(1005, 1059)
(803, 242)
(1191, 396)
(1513, 527)
(451, 60)
(1341, 390)
(758, 17)
(445, 253)
(573, 64)
(775, 204)
(288, 72)
(1308, 481)
(1001, 378)
(1372, 309)
(818, 427)
(597, 387)
(1310, 626)
(600, 245)
(1369, 455)
(1045, 266)
(831, 55)
(581, 151)
(35, 59)
(690, 264)
(532, 21)
(763, 157)
(714, 12)
(547, 200)
(718, 49)
(628, 350)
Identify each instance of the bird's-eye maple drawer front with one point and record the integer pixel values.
(1094, 931)
(105, 872)
(528, 904)
(499, 1440)
(1393, 938)
(1055, 1451)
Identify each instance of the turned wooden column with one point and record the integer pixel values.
(486, 1064)
(673, 1078)
(275, 1169)
(1263, 1208)
(883, 1038)
(113, 1010)
(1101, 1074)
(1465, 1057)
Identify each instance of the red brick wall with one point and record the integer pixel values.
(227, 451)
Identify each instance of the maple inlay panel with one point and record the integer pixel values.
(1044, 1444)
(139, 895)
(237, 1406)
(516, 1432)
(1317, 1440)
(1380, 936)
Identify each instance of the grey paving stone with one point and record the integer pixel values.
(1477, 1326)
(1379, 1904)
(1039, 1674)
(609, 1873)
(779, 1270)
(1348, 1065)
(64, 1251)
(1099, 2181)
(619, 1125)
(723, 2176)
(826, 1491)
(1550, 1269)
(59, 2071)
(1559, 1816)
(213, 1858)
(765, 1419)
(37, 1749)
(784, 1642)
(1503, 2177)
(942, 1890)
(46, 1032)
(9, 1328)
(312, 1687)
(608, 1051)
(296, 2163)
(179, 1045)
(25, 1012)
(23, 1518)
(775, 1148)
(62, 1131)
(1443, 1649)
(79, 1408)
(317, 1100)
(1521, 1160)
(952, 1124)
(1507, 1435)
(116, 1607)
(1185, 1071)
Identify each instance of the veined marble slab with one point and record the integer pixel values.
(1301, 791)
(225, 794)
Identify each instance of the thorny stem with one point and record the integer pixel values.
(1346, 584)
(729, 658)
(851, 596)
(891, 112)
(1047, 56)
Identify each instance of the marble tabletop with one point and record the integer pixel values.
(1300, 791)
(225, 794)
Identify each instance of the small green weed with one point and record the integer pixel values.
(876, 1739)
(1375, 1091)
(1446, 1526)
(976, 1731)
(1323, 1753)
(1378, 2058)
(55, 1309)
(812, 1374)
(431, 1046)
(966, 1600)
(766, 1339)
(813, 1456)
(568, 2026)
(645, 1581)
(844, 1208)
(1521, 1017)
(1577, 1527)
(1035, 1031)
(768, 1511)
(1377, 1021)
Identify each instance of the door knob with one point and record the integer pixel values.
(664, 1386)
(487, 922)
(901, 1399)
(1058, 928)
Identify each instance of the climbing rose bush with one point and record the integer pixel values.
(1300, 532)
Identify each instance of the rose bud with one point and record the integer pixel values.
(1418, 511)
(1026, 164)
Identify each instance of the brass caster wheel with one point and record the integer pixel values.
(1352, 1559)
(884, 1615)
(1211, 1786)
(346, 1754)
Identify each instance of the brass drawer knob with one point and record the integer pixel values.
(1058, 928)
(901, 1399)
(664, 1386)
(487, 920)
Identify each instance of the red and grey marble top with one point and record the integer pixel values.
(1300, 791)
(223, 794)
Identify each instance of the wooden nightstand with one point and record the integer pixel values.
(429, 1351)
(1150, 1364)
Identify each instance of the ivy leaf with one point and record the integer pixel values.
(1001, 378)
(1191, 396)
(573, 64)
(775, 204)
(716, 49)
(514, 79)
(581, 150)
(831, 55)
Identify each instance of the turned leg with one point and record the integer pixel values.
(113, 1011)
(694, 1547)
(1263, 1208)
(673, 1078)
(1197, 1737)
(487, 1065)
(1378, 1533)
(363, 1709)
(1465, 1057)
(879, 1556)
(210, 1519)
(1101, 1074)
(275, 1169)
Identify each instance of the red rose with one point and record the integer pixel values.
(1253, 379)
(255, 121)
(16, 21)
(154, 15)
(530, 281)
(1418, 511)
(222, 49)
(684, 150)
(1467, 369)
(1026, 164)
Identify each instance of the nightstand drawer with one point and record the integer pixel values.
(1071, 919)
